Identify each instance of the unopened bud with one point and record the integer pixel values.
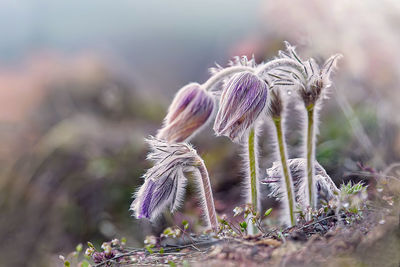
(242, 101)
(188, 112)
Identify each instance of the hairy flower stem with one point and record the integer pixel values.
(253, 175)
(285, 168)
(219, 76)
(310, 156)
(207, 196)
(283, 62)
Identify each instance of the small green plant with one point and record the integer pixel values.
(243, 226)
(352, 189)
(353, 198)
(109, 254)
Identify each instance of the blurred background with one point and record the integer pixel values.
(83, 82)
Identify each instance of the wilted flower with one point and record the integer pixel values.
(165, 183)
(326, 188)
(191, 108)
(242, 100)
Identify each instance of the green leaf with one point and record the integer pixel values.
(243, 226)
(167, 231)
(222, 221)
(161, 250)
(67, 264)
(85, 263)
(90, 244)
(149, 249)
(79, 248)
(246, 213)
(268, 212)
(172, 264)
(185, 224)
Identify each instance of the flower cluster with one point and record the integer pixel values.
(108, 253)
(241, 97)
(312, 87)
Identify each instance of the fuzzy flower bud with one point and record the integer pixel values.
(189, 111)
(275, 107)
(326, 188)
(318, 80)
(242, 100)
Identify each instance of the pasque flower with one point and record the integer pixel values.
(318, 80)
(312, 82)
(165, 182)
(242, 100)
(326, 188)
(276, 110)
(190, 110)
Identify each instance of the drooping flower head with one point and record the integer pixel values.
(243, 99)
(326, 188)
(165, 182)
(190, 110)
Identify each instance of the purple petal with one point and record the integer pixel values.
(146, 201)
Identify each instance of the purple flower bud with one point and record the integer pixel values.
(242, 101)
(189, 111)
